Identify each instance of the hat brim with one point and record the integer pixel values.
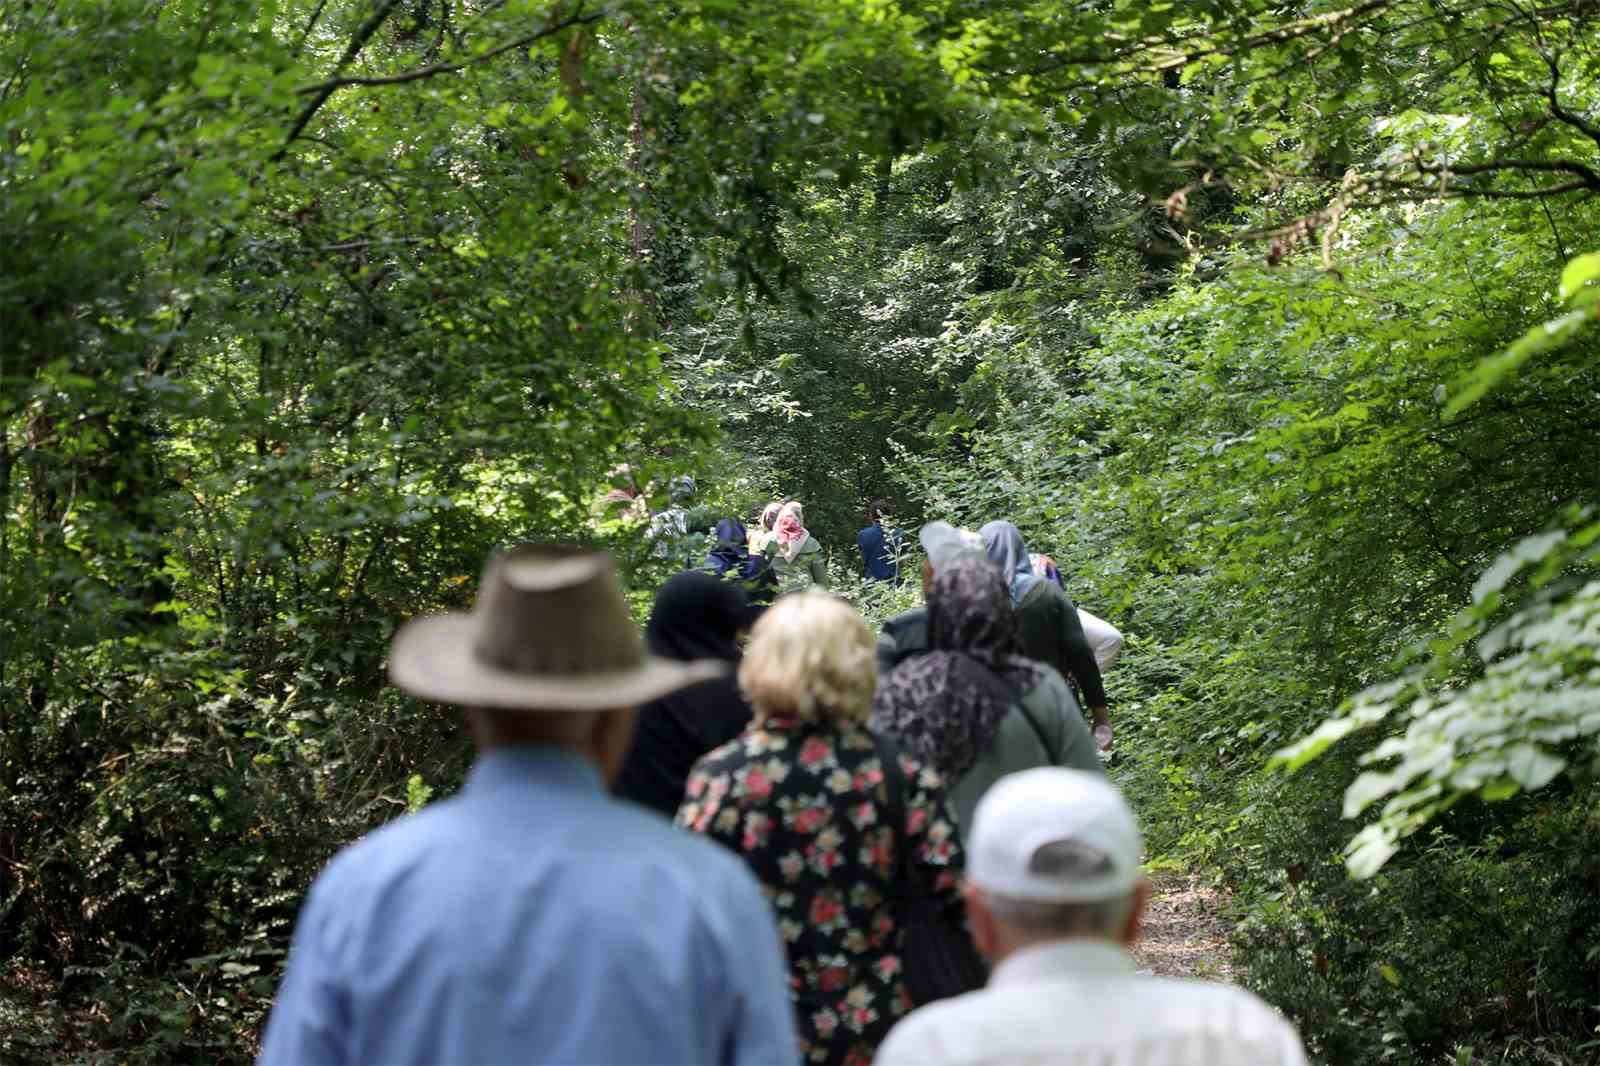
(432, 659)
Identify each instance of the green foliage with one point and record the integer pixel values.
(1498, 706)
(1480, 937)
(1255, 477)
(1579, 291)
(306, 307)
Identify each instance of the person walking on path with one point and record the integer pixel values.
(1047, 622)
(696, 617)
(731, 560)
(1105, 640)
(796, 555)
(972, 707)
(1054, 899)
(766, 528)
(880, 548)
(503, 925)
(905, 635)
(801, 796)
(679, 532)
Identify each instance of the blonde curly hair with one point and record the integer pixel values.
(810, 656)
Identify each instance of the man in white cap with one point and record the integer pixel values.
(534, 918)
(1054, 898)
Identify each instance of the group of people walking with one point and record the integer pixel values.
(897, 847)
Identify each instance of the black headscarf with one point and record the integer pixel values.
(946, 706)
(696, 616)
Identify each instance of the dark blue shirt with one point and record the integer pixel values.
(878, 552)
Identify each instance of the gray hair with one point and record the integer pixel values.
(1068, 860)
(1099, 918)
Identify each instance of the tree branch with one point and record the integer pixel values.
(1590, 176)
(353, 49)
(1571, 118)
(311, 24)
(332, 84)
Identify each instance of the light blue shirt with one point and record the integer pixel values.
(533, 919)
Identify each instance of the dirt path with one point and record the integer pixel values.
(1185, 932)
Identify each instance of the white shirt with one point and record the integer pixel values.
(1079, 1002)
(1105, 639)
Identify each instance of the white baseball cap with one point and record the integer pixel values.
(1053, 835)
(945, 543)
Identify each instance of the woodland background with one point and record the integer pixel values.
(1272, 322)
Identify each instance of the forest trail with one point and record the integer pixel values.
(1185, 932)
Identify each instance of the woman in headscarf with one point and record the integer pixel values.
(696, 616)
(796, 555)
(1048, 626)
(972, 707)
(762, 534)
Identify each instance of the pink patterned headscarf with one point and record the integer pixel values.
(792, 532)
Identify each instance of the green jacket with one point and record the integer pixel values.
(804, 570)
(1044, 728)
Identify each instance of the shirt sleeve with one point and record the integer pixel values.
(698, 810)
(309, 1025)
(819, 572)
(761, 1029)
(1105, 640)
(931, 829)
(1076, 654)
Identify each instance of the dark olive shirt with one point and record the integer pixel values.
(1050, 631)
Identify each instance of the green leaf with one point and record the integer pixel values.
(1532, 768)
(1486, 375)
(1369, 850)
(1583, 270)
(1528, 551)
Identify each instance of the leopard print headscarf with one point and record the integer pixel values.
(946, 706)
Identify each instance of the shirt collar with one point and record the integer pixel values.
(516, 769)
(1078, 958)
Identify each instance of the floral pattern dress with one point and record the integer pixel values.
(803, 803)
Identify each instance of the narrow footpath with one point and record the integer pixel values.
(1185, 933)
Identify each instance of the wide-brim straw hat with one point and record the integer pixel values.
(550, 631)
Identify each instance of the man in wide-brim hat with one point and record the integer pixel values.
(534, 918)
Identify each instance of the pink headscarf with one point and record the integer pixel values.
(792, 532)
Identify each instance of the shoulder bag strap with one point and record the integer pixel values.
(1038, 731)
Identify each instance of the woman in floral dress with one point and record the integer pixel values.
(800, 796)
